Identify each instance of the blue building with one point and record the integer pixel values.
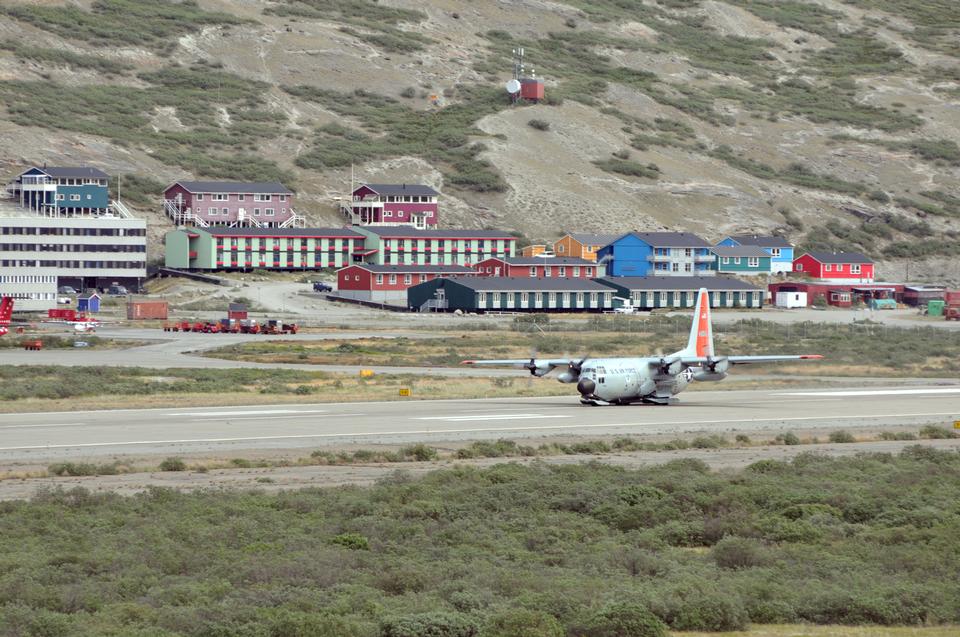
(779, 249)
(57, 191)
(657, 254)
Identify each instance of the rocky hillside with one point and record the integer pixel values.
(835, 122)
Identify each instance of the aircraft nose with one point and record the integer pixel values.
(586, 386)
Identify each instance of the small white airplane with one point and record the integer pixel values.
(647, 379)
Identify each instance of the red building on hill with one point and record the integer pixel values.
(839, 267)
(392, 205)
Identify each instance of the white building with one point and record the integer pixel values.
(39, 253)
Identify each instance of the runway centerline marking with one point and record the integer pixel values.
(265, 412)
(290, 417)
(491, 417)
(129, 443)
(876, 392)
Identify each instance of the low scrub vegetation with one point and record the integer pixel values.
(577, 550)
(62, 57)
(628, 167)
(220, 117)
(393, 129)
(109, 23)
(378, 21)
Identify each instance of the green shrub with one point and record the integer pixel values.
(419, 453)
(936, 432)
(628, 167)
(701, 606)
(841, 437)
(622, 619)
(521, 622)
(788, 438)
(352, 541)
(436, 624)
(173, 464)
(539, 124)
(739, 552)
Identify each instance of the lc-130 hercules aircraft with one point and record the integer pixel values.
(647, 379)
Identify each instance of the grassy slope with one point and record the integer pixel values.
(741, 114)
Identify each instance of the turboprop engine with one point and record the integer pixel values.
(713, 370)
(572, 374)
(537, 370)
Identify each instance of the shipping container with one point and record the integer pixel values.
(140, 310)
(935, 308)
(952, 297)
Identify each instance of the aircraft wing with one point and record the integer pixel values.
(743, 360)
(521, 362)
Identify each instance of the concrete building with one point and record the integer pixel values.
(389, 283)
(262, 248)
(539, 267)
(653, 292)
(80, 251)
(510, 294)
(62, 190)
(582, 245)
(231, 203)
(743, 260)
(393, 205)
(640, 254)
(406, 245)
(779, 249)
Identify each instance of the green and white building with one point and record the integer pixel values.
(510, 294)
(652, 292)
(406, 245)
(242, 248)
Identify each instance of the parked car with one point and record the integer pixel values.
(117, 290)
(66, 289)
(319, 286)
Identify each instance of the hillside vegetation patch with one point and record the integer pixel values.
(393, 129)
(154, 24)
(123, 115)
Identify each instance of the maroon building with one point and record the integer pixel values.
(389, 283)
(393, 205)
(540, 267)
(231, 203)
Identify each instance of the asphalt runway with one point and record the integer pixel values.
(42, 437)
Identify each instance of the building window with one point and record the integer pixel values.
(798, 267)
(356, 277)
(589, 271)
(268, 212)
(387, 213)
(199, 196)
(753, 262)
(562, 272)
(261, 197)
(855, 269)
(283, 197)
(533, 272)
(74, 197)
(220, 196)
(687, 252)
(393, 279)
(212, 212)
(726, 260)
(379, 279)
(688, 267)
(676, 267)
(240, 197)
(548, 271)
(256, 212)
(560, 248)
(225, 211)
(423, 277)
(60, 197)
(407, 279)
(736, 260)
(576, 271)
(775, 252)
(828, 267)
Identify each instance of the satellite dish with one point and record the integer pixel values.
(513, 86)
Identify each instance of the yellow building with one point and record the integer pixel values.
(533, 251)
(582, 245)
